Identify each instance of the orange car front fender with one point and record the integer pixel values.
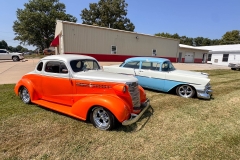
(114, 104)
(28, 84)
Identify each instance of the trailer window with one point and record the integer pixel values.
(209, 57)
(114, 50)
(154, 52)
(225, 57)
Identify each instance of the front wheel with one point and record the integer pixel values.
(102, 118)
(185, 91)
(15, 58)
(25, 96)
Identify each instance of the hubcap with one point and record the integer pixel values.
(25, 96)
(101, 118)
(185, 91)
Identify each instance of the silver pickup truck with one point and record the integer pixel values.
(6, 55)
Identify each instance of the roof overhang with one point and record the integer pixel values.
(192, 47)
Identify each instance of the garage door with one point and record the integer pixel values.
(189, 57)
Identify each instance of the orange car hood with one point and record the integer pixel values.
(98, 75)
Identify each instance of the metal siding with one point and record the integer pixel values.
(217, 58)
(85, 39)
(198, 54)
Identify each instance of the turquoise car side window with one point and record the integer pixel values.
(133, 64)
(146, 65)
(154, 66)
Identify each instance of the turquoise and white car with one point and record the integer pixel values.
(159, 74)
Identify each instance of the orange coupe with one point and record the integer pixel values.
(75, 85)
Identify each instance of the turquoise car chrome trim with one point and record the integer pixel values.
(181, 82)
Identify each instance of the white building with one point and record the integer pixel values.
(191, 54)
(223, 54)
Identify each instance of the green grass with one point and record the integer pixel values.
(174, 128)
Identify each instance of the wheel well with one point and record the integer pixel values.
(90, 110)
(15, 56)
(20, 88)
(173, 90)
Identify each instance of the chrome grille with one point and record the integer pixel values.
(135, 94)
(208, 86)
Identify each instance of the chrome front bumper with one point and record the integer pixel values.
(206, 94)
(135, 117)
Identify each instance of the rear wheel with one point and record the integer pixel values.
(185, 91)
(102, 118)
(24, 95)
(233, 68)
(15, 58)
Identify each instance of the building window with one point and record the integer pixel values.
(114, 50)
(225, 57)
(209, 57)
(154, 52)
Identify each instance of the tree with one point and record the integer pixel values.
(198, 41)
(108, 13)
(167, 35)
(215, 42)
(35, 25)
(19, 48)
(3, 45)
(12, 49)
(201, 41)
(231, 37)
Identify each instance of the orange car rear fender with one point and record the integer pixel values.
(28, 84)
(113, 103)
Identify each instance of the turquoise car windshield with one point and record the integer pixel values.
(167, 66)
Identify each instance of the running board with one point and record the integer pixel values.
(56, 107)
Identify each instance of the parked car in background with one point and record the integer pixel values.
(234, 66)
(159, 74)
(75, 85)
(6, 55)
(48, 51)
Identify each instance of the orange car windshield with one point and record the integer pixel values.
(84, 65)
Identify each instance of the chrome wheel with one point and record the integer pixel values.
(185, 91)
(102, 118)
(25, 95)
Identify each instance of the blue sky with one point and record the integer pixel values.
(205, 18)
